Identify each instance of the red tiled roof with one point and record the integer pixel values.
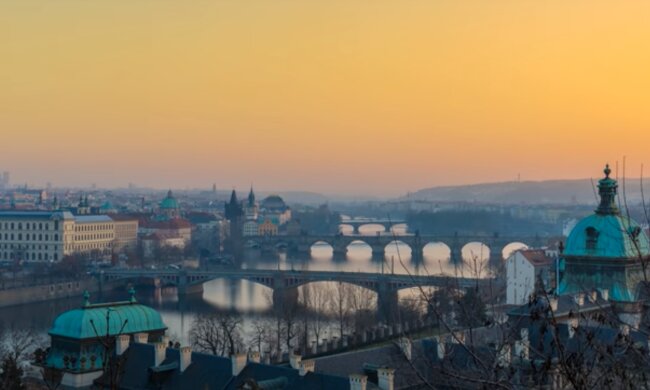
(167, 225)
(536, 257)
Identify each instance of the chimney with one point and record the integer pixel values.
(186, 357)
(579, 299)
(306, 366)
(605, 294)
(294, 361)
(440, 351)
(164, 339)
(521, 349)
(254, 356)
(238, 363)
(504, 355)
(406, 346)
(524, 334)
(141, 338)
(122, 343)
(358, 382)
(552, 302)
(160, 352)
(624, 329)
(386, 378)
(458, 337)
(593, 296)
(572, 326)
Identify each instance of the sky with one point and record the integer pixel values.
(338, 96)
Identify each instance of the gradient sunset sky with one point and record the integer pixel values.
(373, 97)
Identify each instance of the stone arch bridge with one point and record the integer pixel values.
(284, 283)
(379, 243)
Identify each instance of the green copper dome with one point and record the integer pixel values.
(169, 202)
(610, 236)
(605, 250)
(123, 318)
(607, 234)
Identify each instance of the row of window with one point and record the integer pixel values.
(92, 228)
(28, 237)
(33, 247)
(28, 256)
(86, 237)
(29, 225)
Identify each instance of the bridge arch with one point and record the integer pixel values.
(475, 250)
(358, 243)
(436, 251)
(321, 250)
(511, 248)
(398, 248)
(346, 229)
(371, 229)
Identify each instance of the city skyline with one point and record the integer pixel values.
(333, 97)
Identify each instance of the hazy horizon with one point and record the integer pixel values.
(338, 97)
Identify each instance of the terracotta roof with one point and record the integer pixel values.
(177, 223)
(537, 257)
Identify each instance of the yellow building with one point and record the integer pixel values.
(267, 228)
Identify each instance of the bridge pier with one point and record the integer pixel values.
(417, 253)
(456, 255)
(339, 251)
(387, 303)
(378, 251)
(184, 287)
(284, 299)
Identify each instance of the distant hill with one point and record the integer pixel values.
(578, 191)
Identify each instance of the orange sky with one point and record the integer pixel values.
(377, 97)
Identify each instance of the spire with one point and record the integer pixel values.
(607, 188)
(169, 194)
(251, 197)
(233, 197)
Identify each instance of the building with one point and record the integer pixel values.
(122, 345)
(207, 232)
(605, 251)
(45, 236)
(171, 233)
(169, 208)
(78, 337)
(93, 235)
(528, 271)
(48, 236)
(274, 209)
(267, 228)
(126, 232)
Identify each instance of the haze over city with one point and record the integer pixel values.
(332, 97)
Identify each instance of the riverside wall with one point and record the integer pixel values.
(50, 291)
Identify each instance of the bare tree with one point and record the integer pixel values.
(218, 334)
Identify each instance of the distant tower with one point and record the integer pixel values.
(234, 214)
(214, 188)
(251, 208)
(83, 208)
(55, 203)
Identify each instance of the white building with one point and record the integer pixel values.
(48, 236)
(36, 235)
(527, 271)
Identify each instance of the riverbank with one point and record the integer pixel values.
(50, 291)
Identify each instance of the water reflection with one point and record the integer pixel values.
(254, 300)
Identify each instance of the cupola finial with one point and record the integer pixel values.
(132, 295)
(607, 171)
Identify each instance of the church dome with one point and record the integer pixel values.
(607, 236)
(129, 317)
(606, 233)
(273, 202)
(169, 202)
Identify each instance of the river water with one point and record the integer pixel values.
(253, 300)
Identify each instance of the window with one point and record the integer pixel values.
(592, 238)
